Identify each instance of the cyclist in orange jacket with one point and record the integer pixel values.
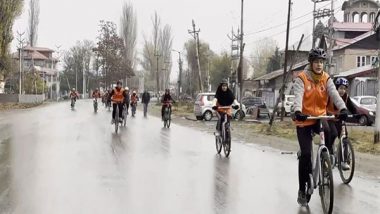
(312, 89)
(117, 96)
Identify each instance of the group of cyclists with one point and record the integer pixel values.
(120, 97)
(316, 94)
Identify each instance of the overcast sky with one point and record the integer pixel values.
(63, 22)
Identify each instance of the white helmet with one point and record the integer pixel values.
(126, 88)
(134, 92)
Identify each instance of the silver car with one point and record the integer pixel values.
(203, 107)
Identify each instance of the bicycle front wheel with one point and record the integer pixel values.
(227, 142)
(218, 144)
(326, 186)
(347, 156)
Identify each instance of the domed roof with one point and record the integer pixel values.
(350, 3)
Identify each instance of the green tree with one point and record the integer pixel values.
(10, 9)
(111, 51)
(76, 61)
(274, 61)
(190, 52)
(320, 30)
(220, 68)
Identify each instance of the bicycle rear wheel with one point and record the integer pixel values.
(326, 186)
(125, 115)
(227, 142)
(349, 158)
(117, 119)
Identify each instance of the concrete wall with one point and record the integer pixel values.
(8, 98)
(30, 98)
(24, 98)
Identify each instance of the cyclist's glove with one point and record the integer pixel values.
(235, 107)
(299, 116)
(215, 108)
(343, 114)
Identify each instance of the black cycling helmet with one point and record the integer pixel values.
(119, 82)
(224, 81)
(317, 53)
(341, 81)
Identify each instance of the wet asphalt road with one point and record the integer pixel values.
(55, 160)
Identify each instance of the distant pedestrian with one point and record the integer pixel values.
(145, 100)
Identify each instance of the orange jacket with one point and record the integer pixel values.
(227, 111)
(134, 98)
(315, 97)
(118, 96)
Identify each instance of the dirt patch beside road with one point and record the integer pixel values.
(13, 106)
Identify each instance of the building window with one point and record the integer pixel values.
(373, 60)
(360, 61)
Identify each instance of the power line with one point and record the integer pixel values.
(282, 24)
(296, 26)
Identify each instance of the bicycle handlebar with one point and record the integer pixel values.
(329, 117)
(224, 107)
(321, 117)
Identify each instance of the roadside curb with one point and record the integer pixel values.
(191, 119)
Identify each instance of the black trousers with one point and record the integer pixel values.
(221, 121)
(120, 110)
(335, 131)
(305, 139)
(163, 110)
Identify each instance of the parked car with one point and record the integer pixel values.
(288, 105)
(365, 108)
(203, 108)
(256, 102)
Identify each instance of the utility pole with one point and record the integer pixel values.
(240, 68)
(235, 51)
(376, 28)
(195, 34)
(157, 77)
(58, 85)
(285, 62)
(208, 70)
(321, 14)
(84, 80)
(21, 42)
(180, 73)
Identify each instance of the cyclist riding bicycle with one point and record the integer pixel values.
(223, 98)
(117, 96)
(166, 99)
(341, 85)
(312, 89)
(74, 94)
(134, 100)
(96, 94)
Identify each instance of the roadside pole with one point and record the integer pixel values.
(376, 28)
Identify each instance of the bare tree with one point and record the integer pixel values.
(34, 13)
(129, 32)
(263, 51)
(166, 43)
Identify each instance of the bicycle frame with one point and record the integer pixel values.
(342, 137)
(223, 125)
(167, 112)
(316, 163)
